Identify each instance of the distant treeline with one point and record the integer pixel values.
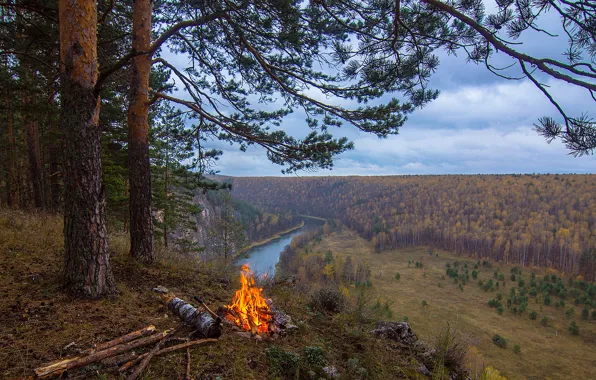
(532, 220)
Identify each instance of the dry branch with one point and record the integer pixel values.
(59, 367)
(167, 351)
(151, 353)
(123, 339)
(187, 374)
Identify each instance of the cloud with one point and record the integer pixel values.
(479, 124)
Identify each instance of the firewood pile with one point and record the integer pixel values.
(124, 354)
(249, 315)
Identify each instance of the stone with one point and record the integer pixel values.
(400, 332)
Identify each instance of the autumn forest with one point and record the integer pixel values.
(531, 220)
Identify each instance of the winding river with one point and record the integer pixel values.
(263, 258)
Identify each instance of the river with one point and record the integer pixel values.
(263, 258)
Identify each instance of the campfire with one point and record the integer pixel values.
(249, 310)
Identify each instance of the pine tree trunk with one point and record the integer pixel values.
(32, 130)
(165, 214)
(12, 195)
(141, 224)
(87, 264)
(55, 189)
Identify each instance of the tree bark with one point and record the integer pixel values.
(54, 193)
(166, 209)
(141, 224)
(87, 264)
(32, 130)
(12, 194)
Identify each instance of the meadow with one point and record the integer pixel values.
(547, 352)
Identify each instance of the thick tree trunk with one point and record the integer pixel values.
(87, 264)
(141, 224)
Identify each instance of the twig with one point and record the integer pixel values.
(59, 367)
(152, 353)
(167, 351)
(187, 376)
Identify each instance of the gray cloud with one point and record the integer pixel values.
(479, 124)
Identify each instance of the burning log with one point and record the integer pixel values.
(204, 322)
(249, 309)
(252, 312)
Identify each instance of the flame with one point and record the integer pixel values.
(249, 309)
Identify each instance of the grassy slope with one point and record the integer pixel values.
(545, 354)
(37, 319)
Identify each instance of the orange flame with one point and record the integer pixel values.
(249, 309)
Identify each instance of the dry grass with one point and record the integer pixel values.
(37, 319)
(545, 352)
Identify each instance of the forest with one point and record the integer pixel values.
(111, 111)
(113, 119)
(530, 220)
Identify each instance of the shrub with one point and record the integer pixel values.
(500, 309)
(585, 313)
(327, 300)
(474, 275)
(533, 315)
(490, 373)
(424, 304)
(574, 328)
(570, 312)
(450, 350)
(397, 276)
(314, 356)
(544, 321)
(521, 282)
(517, 348)
(499, 341)
(547, 300)
(512, 276)
(282, 363)
(406, 318)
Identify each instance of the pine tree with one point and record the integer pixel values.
(87, 263)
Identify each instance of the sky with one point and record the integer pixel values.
(480, 124)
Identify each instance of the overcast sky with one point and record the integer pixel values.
(479, 124)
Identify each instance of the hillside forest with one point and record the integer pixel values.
(528, 220)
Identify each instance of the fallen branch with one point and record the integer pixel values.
(187, 374)
(119, 359)
(167, 351)
(151, 353)
(123, 339)
(59, 367)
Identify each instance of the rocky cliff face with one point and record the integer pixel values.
(201, 236)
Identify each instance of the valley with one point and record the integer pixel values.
(546, 352)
